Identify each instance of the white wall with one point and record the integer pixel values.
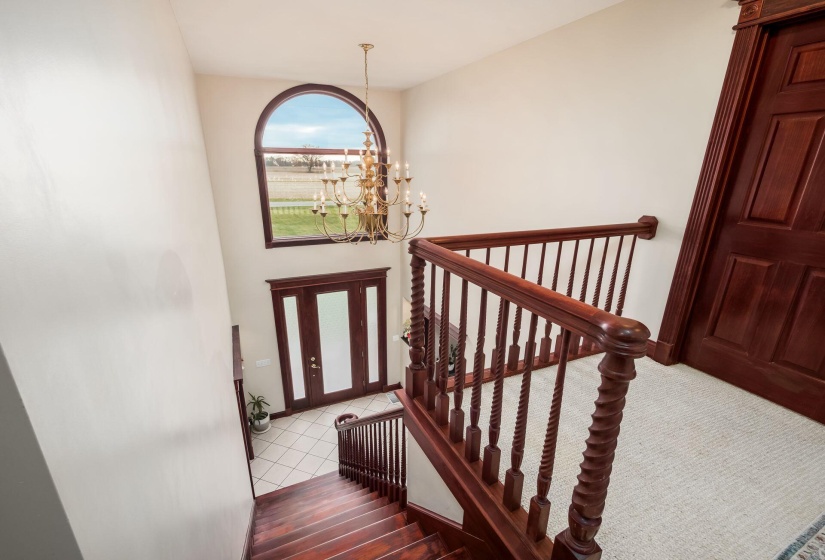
(230, 109)
(113, 309)
(426, 488)
(597, 122)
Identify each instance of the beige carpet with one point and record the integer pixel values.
(703, 470)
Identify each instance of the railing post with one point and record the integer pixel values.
(417, 370)
(584, 516)
(515, 349)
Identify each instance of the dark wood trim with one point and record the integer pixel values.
(284, 413)
(763, 12)
(503, 530)
(247, 545)
(300, 287)
(520, 368)
(645, 228)
(237, 359)
(330, 278)
(746, 57)
(651, 348)
(393, 387)
(453, 328)
(453, 533)
(619, 335)
(261, 151)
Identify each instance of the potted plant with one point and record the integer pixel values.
(453, 359)
(259, 416)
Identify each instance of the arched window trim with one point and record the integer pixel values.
(261, 151)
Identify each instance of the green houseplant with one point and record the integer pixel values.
(259, 416)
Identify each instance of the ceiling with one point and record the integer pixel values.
(317, 40)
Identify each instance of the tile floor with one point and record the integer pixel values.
(304, 445)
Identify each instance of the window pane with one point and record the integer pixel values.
(316, 120)
(333, 322)
(293, 337)
(291, 181)
(372, 332)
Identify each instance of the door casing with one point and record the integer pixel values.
(306, 289)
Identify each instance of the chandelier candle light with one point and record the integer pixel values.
(370, 201)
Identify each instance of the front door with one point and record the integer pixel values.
(331, 336)
(759, 317)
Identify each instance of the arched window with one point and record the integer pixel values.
(298, 132)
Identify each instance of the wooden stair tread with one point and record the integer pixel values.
(295, 488)
(271, 542)
(350, 540)
(305, 494)
(287, 516)
(431, 547)
(311, 516)
(382, 545)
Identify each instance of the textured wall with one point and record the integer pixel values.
(113, 307)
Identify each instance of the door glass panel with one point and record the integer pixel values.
(372, 332)
(333, 322)
(293, 337)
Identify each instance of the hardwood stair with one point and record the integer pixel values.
(332, 517)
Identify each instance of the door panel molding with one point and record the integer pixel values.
(755, 24)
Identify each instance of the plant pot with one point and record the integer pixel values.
(261, 426)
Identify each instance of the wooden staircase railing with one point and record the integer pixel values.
(373, 452)
(586, 326)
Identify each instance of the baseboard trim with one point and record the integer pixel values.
(247, 546)
(393, 387)
(651, 348)
(283, 413)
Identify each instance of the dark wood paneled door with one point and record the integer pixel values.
(759, 317)
(331, 336)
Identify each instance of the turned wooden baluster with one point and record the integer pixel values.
(620, 303)
(587, 344)
(397, 469)
(585, 514)
(539, 280)
(341, 457)
(586, 278)
(403, 499)
(574, 339)
(492, 453)
(442, 401)
(494, 358)
(472, 447)
(374, 480)
(431, 387)
(457, 414)
(514, 478)
(515, 349)
(417, 370)
(608, 304)
(546, 341)
(384, 465)
(539, 512)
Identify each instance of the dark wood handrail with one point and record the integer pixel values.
(585, 329)
(645, 228)
(620, 335)
(373, 451)
(349, 421)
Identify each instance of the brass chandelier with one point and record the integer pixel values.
(363, 211)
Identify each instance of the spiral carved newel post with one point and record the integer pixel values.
(417, 370)
(617, 369)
